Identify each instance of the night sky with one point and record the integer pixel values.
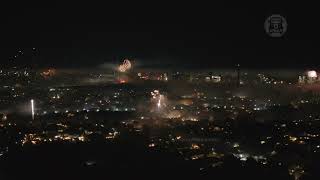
(181, 34)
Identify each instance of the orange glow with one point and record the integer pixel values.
(48, 73)
(122, 81)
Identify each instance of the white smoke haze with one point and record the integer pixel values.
(100, 80)
(21, 108)
(108, 66)
(25, 108)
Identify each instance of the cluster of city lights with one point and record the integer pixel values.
(38, 139)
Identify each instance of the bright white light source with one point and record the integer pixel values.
(312, 74)
(32, 108)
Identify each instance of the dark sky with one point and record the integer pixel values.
(82, 34)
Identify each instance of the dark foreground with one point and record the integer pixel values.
(120, 160)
